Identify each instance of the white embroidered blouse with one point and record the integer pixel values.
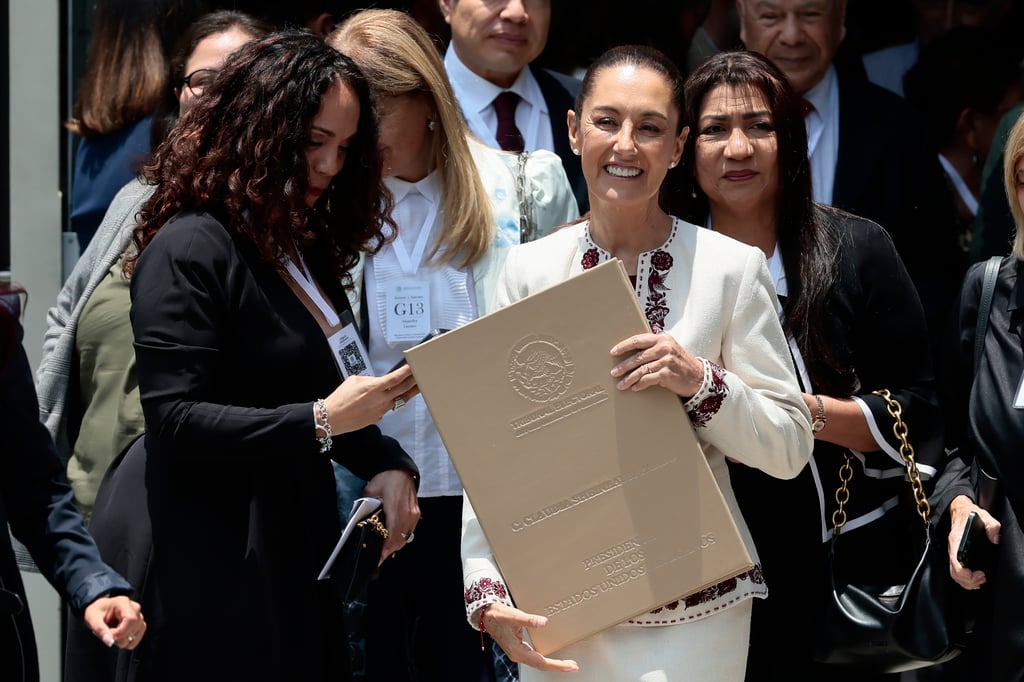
(715, 296)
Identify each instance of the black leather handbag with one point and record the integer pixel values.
(891, 628)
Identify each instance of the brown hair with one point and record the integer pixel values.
(126, 67)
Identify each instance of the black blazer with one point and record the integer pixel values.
(241, 503)
(885, 172)
(873, 322)
(37, 502)
(983, 426)
(560, 93)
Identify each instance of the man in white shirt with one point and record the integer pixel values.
(508, 103)
(868, 152)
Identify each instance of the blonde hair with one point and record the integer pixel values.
(1012, 155)
(398, 58)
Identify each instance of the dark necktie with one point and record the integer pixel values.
(806, 107)
(509, 137)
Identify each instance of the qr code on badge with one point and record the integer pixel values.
(352, 359)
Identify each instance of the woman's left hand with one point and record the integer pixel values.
(657, 360)
(397, 489)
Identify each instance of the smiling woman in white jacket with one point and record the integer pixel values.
(717, 344)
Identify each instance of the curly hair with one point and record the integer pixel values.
(808, 239)
(240, 154)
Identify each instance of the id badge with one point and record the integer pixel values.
(1018, 402)
(349, 351)
(408, 311)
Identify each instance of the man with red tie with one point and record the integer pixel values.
(867, 148)
(507, 102)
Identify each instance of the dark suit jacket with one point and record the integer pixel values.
(37, 502)
(560, 93)
(886, 173)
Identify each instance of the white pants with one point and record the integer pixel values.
(713, 649)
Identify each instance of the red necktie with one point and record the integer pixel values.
(509, 137)
(806, 107)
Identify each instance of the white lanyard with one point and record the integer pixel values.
(305, 280)
(961, 187)
(411, 263)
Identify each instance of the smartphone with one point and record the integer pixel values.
(975, 551)
(434, 334)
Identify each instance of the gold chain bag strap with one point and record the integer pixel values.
(896, 627)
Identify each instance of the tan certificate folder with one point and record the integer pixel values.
(598, 503)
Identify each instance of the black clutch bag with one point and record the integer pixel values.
(356, 562)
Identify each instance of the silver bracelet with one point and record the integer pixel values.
(323, 425)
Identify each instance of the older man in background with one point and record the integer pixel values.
(868, 152)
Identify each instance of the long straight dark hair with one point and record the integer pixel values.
(808, 238)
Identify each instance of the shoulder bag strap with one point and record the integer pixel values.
(988, 290)
(899, 429)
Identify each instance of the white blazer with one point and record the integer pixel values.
(716, 298)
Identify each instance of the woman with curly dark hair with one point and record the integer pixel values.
(265, 193)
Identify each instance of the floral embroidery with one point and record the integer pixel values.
(657, 308)
(710, 594)
(653, 279)
(708, 401)
(661, 260)
(485, 587)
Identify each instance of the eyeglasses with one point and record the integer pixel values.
(199, 80)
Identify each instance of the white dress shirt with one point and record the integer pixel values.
(476, 96)
(823, 135)
(452, 304)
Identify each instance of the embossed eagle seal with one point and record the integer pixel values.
(540, 368)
